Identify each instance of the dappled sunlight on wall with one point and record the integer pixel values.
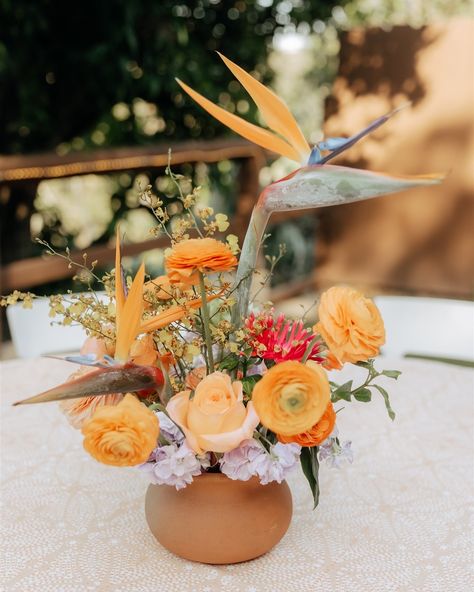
(421, 240)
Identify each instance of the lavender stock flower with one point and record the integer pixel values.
(239, 463)
(174, 465)
(335, 453)
(169, 429)
(251, 459)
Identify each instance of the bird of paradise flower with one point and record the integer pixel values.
(118, 374)
(314, 184)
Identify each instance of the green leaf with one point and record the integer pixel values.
(386, 398)
(362, 394)
(310, 465)
(369, 365)
(230, 362)
(391, 373)
(249, 382)
(342, 392)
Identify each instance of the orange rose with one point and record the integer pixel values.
(215, 419)
(318, 433)
(198, 254)
(123, 435)
(291, 397)
(350, 324)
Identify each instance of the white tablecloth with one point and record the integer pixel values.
(396, 520)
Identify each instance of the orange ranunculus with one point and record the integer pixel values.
(350, 324)
(198, 254)
(195, 377)
(331, 362)
(123, 435)
(158, 288)
(215, 419)
(317, 434)
(291, 397)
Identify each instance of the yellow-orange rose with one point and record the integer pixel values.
(198, 254)
(215, 419)
(122, 435)
(318, 433)
(350, 324)
(291, 397)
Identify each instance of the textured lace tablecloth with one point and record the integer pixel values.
(396, 520)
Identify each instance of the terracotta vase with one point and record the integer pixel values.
(216, 520)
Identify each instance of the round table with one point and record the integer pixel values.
(395, 520)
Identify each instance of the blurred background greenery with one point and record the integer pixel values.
(82, 75)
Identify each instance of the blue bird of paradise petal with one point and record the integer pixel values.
(338, 145)
(89, 360)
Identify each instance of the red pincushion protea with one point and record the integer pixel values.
(281, 340)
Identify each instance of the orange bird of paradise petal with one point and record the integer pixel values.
(123, 377)
(173, 313)
(128, 326)
(315, 184)
(278, 117)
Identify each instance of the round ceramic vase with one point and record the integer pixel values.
(219, 521)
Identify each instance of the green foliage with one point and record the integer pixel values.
(229, 363)
(80, 74)
(249, 382)
(362, 393)
(310, 465)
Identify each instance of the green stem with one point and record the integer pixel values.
(309, 349)
(206, 323)
(247, 262)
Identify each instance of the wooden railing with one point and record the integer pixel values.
(28, 171)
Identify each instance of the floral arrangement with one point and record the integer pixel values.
(181, 374)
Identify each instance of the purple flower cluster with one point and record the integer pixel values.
(251, 459)
(335, 453)
(174, 465)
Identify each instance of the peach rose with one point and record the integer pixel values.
(198, 254)
(350, 324)
(123, 435)
(215, 419)
(291, 397)
(318, 433)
